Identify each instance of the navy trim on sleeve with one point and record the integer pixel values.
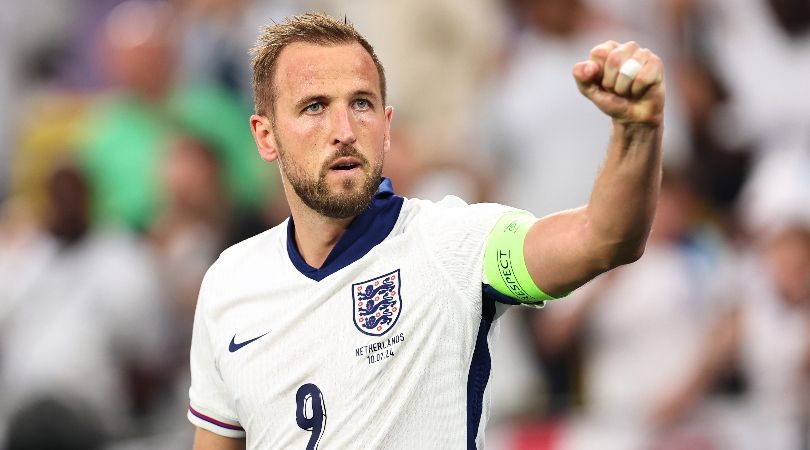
(490, 293)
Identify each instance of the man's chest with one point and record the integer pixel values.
(362, 339)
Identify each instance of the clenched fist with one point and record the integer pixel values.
(629, 92)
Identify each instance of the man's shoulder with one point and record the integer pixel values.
(415, 208)
(448, 201)
(449, 208)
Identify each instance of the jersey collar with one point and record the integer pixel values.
(367, 230)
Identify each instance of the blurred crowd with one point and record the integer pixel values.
(127, 165)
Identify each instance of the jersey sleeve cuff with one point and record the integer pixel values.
(215, 424)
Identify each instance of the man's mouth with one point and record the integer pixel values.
(345, 163)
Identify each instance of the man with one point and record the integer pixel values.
(373, 311)
(64, 276)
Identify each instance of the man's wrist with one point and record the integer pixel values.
(631, 135)
(626, 126)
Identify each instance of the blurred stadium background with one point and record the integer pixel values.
(126, 166)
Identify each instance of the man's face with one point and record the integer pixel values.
(330, 126)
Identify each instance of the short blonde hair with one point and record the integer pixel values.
(313, 28)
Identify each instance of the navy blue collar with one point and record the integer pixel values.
(367, 230)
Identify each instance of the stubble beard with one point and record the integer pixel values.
(349, 201)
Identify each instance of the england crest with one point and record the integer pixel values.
(377, 303)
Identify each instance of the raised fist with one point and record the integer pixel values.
(625, 81)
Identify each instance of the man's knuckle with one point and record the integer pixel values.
(649, 76)
(604, 48)
(614, 58)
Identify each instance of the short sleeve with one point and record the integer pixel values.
(457, 234)
(211, 406)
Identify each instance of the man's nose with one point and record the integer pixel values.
(343, 126)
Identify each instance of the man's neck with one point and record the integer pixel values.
(315, 234)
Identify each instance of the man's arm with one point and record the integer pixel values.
(206, 440)
(564, 250)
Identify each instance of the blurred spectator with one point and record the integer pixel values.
(417, 175)
(126, 134)
(545, 140)
(720, 165)
(193, 224)
(83, 320)
(640, 328)
(216, 35)
(191, 228)
(437, 55)
(67, 56)
(30, 31)
(51, 66)
(661, 22)
(768, 332)
(768, 108)
(54, 424)
(50, 122)
(777, 192)
(212, 44)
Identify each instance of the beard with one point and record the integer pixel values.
(351, 199)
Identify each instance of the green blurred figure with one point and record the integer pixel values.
(126, 134)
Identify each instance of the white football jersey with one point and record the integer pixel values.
(385, 346)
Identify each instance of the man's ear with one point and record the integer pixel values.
(265, 138)
(389, 113)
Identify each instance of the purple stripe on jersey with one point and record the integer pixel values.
(214, 421)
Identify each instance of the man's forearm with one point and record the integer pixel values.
(565, 250)
(625, 194)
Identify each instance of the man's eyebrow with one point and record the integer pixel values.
(364, 93)
(304, 101)
(311, 99)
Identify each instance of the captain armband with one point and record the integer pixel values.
(504, 265)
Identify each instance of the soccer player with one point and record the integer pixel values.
(364, 320)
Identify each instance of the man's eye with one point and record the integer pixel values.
(314, 108)
(362, 104)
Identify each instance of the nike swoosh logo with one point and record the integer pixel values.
(234, 346)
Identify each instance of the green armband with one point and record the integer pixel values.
(504, 265)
